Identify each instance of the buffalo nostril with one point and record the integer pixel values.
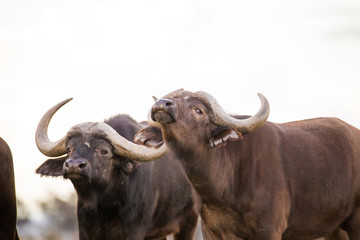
(82, 165)
(164, 102)
(75, 164)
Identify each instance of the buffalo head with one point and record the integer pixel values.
(89, 151)
(197, 118)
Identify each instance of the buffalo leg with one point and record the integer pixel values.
(187, 229)
(207, 233)
(352, 225)
(137, 234)
(269, 236)
(338, 234)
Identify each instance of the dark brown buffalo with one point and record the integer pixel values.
(261, 180)
(119, 198)
(7, 194)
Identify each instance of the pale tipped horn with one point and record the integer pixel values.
(126, 148)
(47, 147)
(248, 125)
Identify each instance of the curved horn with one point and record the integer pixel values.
(247, 125)
(47, 147)
(126, 148)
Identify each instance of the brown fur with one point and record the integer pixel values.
(291, 181)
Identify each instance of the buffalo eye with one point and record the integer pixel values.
(104, 152)
(68, 150)
(198, 111)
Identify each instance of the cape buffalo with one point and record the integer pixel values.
(118, 197)
(7, 194)
(261, 180)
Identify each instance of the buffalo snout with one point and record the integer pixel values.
(75, 167)
(163, 111)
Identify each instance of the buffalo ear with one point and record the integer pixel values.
(52, 167)
(223, 134)
(128, 165)
(149, 136)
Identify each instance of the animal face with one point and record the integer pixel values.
(89, 159)
(188, 119)
(182, 118)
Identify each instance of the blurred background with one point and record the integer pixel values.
(113, 56)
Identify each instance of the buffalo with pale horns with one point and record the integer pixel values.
(118, 196)
(261, 180)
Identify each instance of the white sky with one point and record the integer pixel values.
(112, 56)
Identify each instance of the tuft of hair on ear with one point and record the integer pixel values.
(149, 136)
(222, 135)
(128, 166)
